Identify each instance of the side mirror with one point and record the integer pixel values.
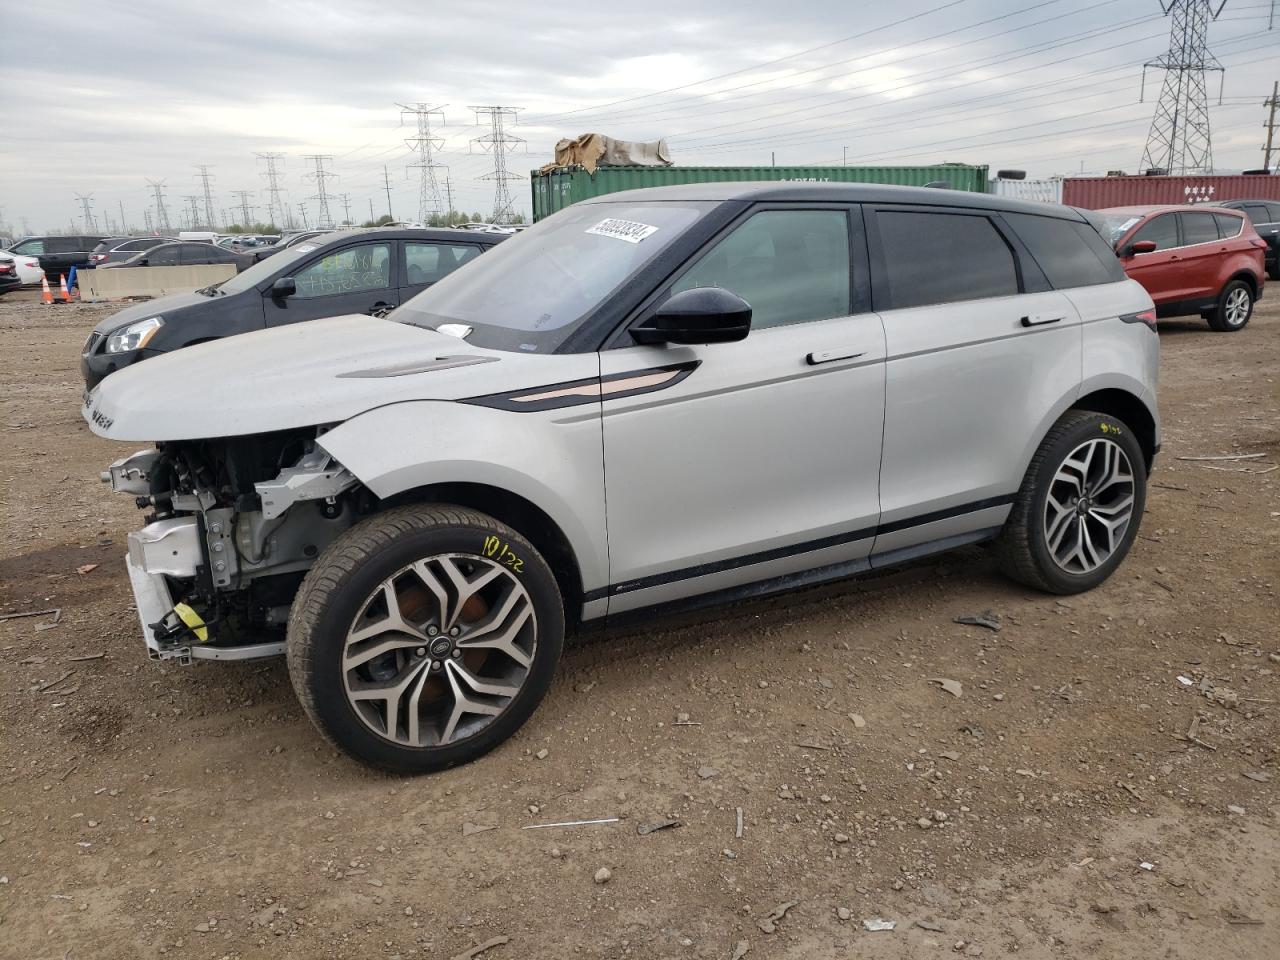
(1141, 246)
(284, 287)
(700, 315)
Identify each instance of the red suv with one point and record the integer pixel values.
(1202, 259)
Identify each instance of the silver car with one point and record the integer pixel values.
(649, 400)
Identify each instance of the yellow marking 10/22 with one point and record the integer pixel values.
(498, 550)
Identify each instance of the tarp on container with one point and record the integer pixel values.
(1096, 193)
(593, 150)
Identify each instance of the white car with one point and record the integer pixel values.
(28, 266)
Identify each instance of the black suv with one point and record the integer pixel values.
(1265, 217)
(355, 271)
(58, 254)
(116, 249)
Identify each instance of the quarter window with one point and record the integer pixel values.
(165, 257)
(792, 266)
(1163, 230)
(1256, 212)
(1228, 226)
(429, 262)
(31, 248)
(363, 267)
(1198, 228)
(1071, 254)
(943, 258)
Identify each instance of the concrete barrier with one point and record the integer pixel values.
(116, 282)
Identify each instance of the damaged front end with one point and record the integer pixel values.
(233, 526)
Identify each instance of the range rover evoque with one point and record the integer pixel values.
(648, 400)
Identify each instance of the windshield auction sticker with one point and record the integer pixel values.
(627, 230)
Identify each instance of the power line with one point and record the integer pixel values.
(323, 219)
(499, 143)
(425, 145)
(205, 178)
(162, 215)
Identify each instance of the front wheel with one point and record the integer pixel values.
(1235, 307)
(424, 637)
(1078, 510)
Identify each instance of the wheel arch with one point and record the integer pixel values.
(1248, 277)
(1130, 409)
(523, 516)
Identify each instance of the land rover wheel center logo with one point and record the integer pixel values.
(441, 646)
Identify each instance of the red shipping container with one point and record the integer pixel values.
(1095, 193)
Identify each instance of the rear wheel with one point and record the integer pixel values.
(1235, 307)
(1077, 512)
(424, 637)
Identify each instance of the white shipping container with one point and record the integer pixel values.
(1044, 191)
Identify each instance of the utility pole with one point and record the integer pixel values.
(346, 207)
(193, 212)
(205, 177)
(275, 203)
(146, 220)
(162, 215)
(86, 204)
(323, 219)
(372, 218)
(1179, 140)
(245, 210)
(1273, 103)
(499, 143)
(386, 183)
(845, 161)
(124, 226)
(425, 145)
(302, 208)
(448, 189)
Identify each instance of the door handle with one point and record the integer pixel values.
(1037, 322)
(1173, 258)
(830, 356)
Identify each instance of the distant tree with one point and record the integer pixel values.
(382, 221)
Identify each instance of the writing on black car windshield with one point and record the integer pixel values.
(529, 292)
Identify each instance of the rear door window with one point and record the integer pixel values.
(944, 258)
(429, 262)
(164, 257)
(1064, 250)
(1198, 228)
(1257, 213)
(31, 248)
(1228, 226)
(1163, 230)
(792, 266)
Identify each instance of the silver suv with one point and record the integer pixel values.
(649, 400)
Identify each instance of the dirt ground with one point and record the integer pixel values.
(1057, 808)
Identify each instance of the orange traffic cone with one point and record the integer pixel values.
(66, 294)
(46, 295)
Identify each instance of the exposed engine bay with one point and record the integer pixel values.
(233, 526)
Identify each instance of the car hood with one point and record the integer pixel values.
(307, 374)
(151, 308)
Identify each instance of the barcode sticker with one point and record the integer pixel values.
(627, 230)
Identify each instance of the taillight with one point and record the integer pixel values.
(1146, 316)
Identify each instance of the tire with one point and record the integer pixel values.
(509, 634)
(1032, 546)
(1235, 307)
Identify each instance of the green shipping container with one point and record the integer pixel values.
(562, 187)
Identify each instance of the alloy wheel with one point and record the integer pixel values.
(1236, 309)
(1089, 506)
(439, 650)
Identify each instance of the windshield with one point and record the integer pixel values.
(264, 269)
(1115, 225)
(531, 291)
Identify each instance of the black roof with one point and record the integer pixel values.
(782, 191)
(411, 233)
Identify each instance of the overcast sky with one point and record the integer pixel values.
(105, 96)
